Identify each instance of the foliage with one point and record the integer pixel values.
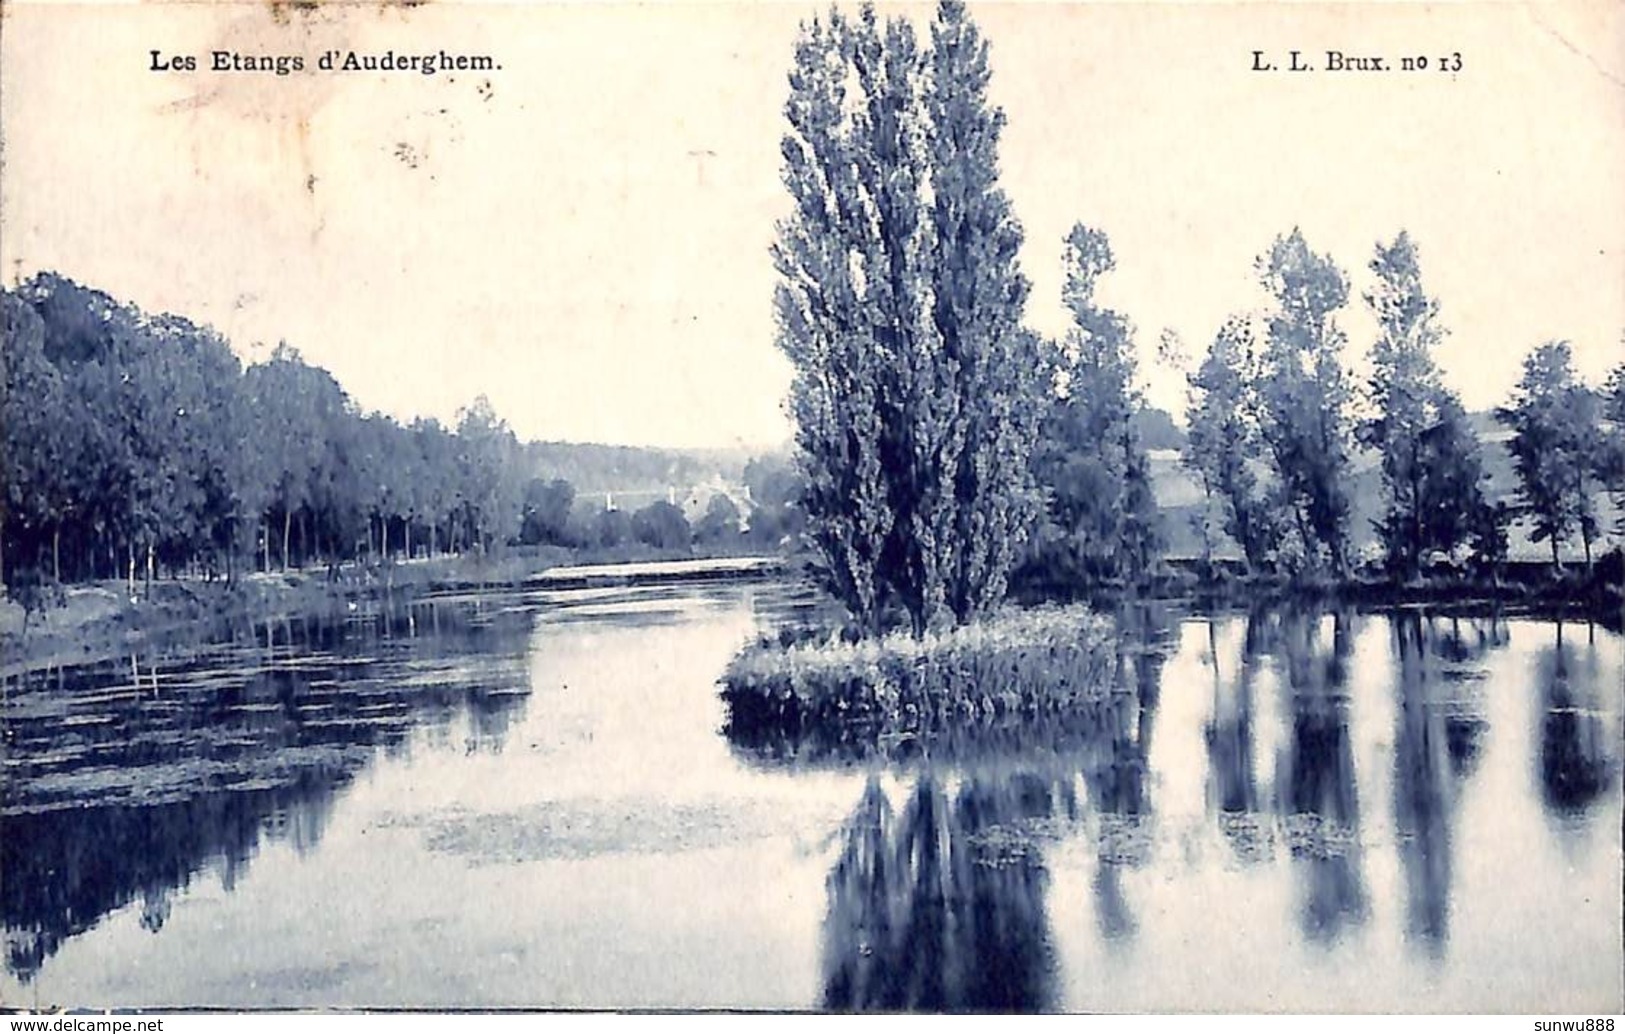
(720, 522)
(137, 444)
(1102, 521)
(1225, 446)
(1156, 429)
(611, 528)
(1015, 662)
(1430, 462)
(1556, 445)
(1304, 396)
(547, 508)
(978, 295)
(776, 489)
(661, 525)
(1611, 457)
(899, 305)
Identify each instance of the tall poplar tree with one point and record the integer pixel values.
(899, 303)
(835, 398)
(980, 294)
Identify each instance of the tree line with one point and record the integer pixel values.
(135, 445)
(948, 448)
(1275, 420)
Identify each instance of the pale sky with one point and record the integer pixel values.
(583, 235)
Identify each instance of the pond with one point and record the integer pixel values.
(530, 800)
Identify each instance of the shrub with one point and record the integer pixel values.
(661, 525)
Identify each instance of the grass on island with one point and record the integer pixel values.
(1018, 662)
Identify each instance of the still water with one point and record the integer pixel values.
(530, 800)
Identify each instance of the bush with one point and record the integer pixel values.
(610, 528)
(720, 523)
(1017, 663)
(661, 525)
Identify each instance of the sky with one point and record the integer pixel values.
(582, 234)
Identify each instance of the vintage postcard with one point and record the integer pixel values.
(930, 507)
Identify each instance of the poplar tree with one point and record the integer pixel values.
(899, 304)
(835, 399)
(980, 294)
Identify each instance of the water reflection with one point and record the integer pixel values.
(1316, 783)
(1232, 745)
(1269, 805)
(66, 869)
(1576, 751)
(125, 781)
(1116, 768)
(939, 907)
(1424, 787)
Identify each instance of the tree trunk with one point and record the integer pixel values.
(1311, 549)
(406, 526)
(1416, 517)
(287, 532)
(129, 548)
(1557, 565)
(383, 542)
(56, 553)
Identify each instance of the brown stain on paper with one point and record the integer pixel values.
(276, 118)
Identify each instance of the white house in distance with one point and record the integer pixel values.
(693, 500)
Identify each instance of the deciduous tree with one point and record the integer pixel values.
(1304, 396)
(1555, 445)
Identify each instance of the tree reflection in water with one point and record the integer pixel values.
(1424, 790)
(65, 870)
(1576, 752)
(1316, 784)
(116, 795)
(1231, 745)
(941, 907)
(1116, 767)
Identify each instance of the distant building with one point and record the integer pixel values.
(699, 497)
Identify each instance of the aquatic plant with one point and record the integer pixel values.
(1016, 663)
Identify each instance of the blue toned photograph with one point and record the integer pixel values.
(941, 507)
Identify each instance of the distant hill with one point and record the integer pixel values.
(594, 468)
(1158, 430)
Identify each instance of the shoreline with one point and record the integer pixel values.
(100, 619)
(1530, 588)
